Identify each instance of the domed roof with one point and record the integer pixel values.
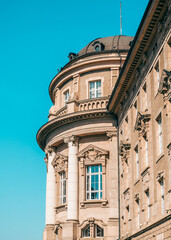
(118, 42)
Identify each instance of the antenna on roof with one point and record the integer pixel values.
(120, 18)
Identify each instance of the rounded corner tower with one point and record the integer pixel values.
(80, 143)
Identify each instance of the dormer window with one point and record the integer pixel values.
(72, 56)
(98, 46)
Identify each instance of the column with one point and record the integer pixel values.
(50, 188)
(72, 209)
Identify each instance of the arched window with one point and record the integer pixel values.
(98, 231)
(86, 231)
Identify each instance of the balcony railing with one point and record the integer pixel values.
(80, 106)
(95, 103)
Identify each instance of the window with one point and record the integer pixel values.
(138, 212)
(86, 231)
(146, 149)
(94, 182)
(148, 203)
(159, 133)
(62, 188)
(66, 96)
(95, 89)
(157, 74)
(97, 48)
(144, 100)
(161, 182)
(96, 231)
(137, 160)
(135, 112)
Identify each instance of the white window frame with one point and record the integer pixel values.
(95, 89)
(88, 182)
(62, 186)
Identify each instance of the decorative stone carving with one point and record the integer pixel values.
(92, 153)
(124, 150)
(111, 134)
(160, 175)
(142, 122)
(59, 162)
(165, 83)
(137, 197)
(73, 139)
(49, 150)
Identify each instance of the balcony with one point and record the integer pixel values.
(79, 106)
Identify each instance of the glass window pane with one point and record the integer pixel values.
(98, 231)
(95, 169)
(86, 231)
(92, 85)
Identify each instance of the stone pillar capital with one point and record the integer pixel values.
(49, 150)
(71, 139)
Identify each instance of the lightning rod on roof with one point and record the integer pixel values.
(120, 18)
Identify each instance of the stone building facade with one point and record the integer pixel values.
(80, 142)
(108, 139)
(141, 101)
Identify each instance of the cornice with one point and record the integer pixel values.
(145, 33)
(50, 126)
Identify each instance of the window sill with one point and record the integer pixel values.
(159, 157)
(61, 208)
(94, 203)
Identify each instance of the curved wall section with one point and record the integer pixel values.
(80, 143)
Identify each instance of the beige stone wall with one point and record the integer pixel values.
(94, 128)
(144, 153)
(76, 79)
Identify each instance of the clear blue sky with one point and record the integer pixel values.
(36, 38)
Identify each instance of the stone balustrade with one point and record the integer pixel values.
(90, 104)
(79, 106)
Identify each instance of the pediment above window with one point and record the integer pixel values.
(142, 120)
(59, 162)
(92, 153)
